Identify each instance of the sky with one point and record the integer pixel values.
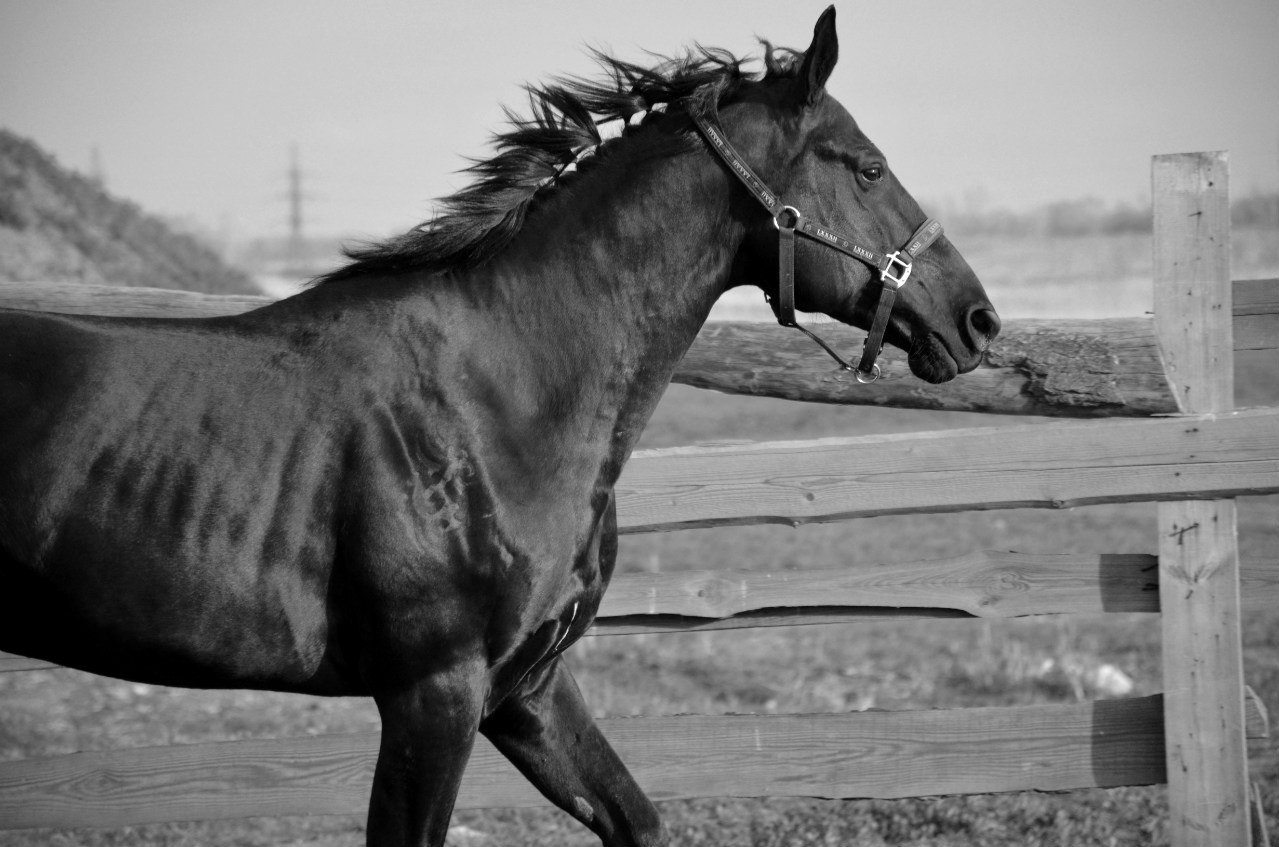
(190, 109)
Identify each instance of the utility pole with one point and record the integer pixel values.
(297, 245)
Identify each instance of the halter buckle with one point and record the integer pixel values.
(886, 272)
(787, 210)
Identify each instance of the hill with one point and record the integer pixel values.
(58, 225)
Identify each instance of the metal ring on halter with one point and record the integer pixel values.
(885, 275)
(867, 379)
(794, 213)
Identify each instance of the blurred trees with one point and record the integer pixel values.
(58, 225)
(1091, 216)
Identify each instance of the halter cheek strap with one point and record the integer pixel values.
(894, 268)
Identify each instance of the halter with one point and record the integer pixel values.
(894, 268)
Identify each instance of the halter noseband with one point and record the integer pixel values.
(894, 268)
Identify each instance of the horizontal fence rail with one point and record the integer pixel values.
(1094, 368)
(1056, 465)
(945, 751)
(1255, 306)
(986, 584)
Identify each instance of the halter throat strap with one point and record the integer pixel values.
(894, 268)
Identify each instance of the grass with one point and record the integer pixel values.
(944, 664)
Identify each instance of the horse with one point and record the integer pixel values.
(399, 482)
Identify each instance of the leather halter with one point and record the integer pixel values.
(894, 268)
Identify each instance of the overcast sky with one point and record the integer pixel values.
(192, 107)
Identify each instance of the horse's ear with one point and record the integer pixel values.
(820, 58)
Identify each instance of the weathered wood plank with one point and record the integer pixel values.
(1043, 466)
(985, 584)
(1256, 311)
(789, 616)
(1203, 672)
(329, 774)
(1207, 759)
(1252, 297)
(866, 754)
(1070, 368)
(862, 754)
(123, 301)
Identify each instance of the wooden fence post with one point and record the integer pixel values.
(1208, 792)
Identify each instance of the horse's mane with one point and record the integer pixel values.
(552, 145)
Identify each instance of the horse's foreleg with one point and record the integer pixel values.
(428, 729)
(546, 730)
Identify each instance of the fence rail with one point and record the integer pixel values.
(985, 584)
(1190, 454)
(881, 754)
(1041, 466)
(1063, 368)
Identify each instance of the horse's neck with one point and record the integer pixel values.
(604, 292)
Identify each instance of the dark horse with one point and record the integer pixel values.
(399, 483)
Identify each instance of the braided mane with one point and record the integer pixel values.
(546, 149)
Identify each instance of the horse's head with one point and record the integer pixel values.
(808, 149)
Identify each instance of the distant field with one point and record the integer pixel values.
(945, 664)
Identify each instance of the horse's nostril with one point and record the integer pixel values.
(983, 326)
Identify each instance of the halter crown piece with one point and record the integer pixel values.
(894, 268)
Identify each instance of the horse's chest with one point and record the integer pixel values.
(555, 576)
(546, 608)
(473, 548)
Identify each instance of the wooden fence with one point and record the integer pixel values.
(1190, 451)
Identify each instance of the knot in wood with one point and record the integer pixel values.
(1061, 368)
(715, 594)
(1002, 584)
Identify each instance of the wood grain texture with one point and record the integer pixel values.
(1207, 761)
(1203, 673)
(865, 754)
(123, 301)
(984, 584)
(1035, 367)
(1193, 292)
(860, 754)
(1056, 465)
(329, 774)
(1255, 306)
(1068, 368)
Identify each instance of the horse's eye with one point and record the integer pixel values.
(872, 174)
